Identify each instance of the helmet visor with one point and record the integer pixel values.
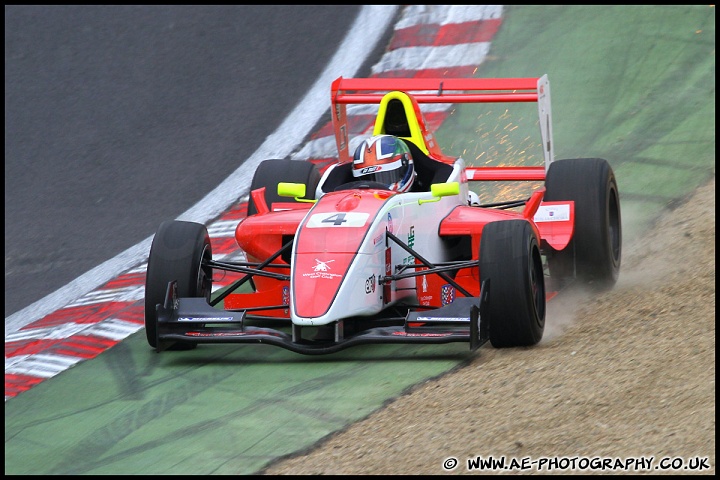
(390, 173)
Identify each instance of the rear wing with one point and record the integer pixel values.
(411, 92)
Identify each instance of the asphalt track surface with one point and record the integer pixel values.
(229, 410)
(118, 118)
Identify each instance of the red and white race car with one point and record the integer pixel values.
(336, 260)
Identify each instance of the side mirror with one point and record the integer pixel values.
(440, 190)
(294, 190)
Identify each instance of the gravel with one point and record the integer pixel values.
(624, 375)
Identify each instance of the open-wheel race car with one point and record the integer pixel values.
(348, 257)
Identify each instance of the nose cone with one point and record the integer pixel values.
(326, 244)
(316, 281)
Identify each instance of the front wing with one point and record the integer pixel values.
(194, 321)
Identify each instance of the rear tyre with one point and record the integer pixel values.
(510, 259)
(179, 252)
(594, 253)
(271, 172)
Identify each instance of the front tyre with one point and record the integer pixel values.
(594, 252)
(510, 259)
(180, 251)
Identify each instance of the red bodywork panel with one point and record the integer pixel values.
(260, 236)
(471, 220)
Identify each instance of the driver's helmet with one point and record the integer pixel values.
(385, 159)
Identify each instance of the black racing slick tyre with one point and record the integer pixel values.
(511, 262)
(180, 251)
(594, 252)
(271, 172)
